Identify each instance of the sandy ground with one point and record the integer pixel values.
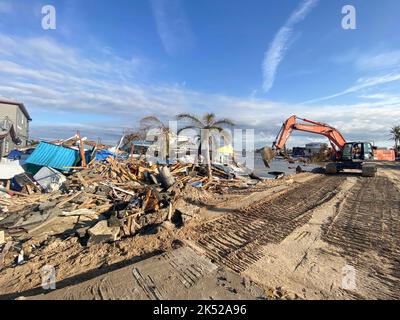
(300, 262)
(75, 263)
(309, 237)
(178, 274)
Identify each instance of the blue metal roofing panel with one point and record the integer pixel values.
(57, 157)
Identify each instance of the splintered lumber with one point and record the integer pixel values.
(60, 204)
(28, 189)
(146, 199)
(180, 169)
(14, 192)
(151, 201)
(170, 210)
(129, 174)
(221, 172)
(96, 196)
(82, 180)
(103, 208)
(4, 252)
(117, 188)
(87, 204)
(5, 201)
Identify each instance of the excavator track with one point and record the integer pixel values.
(366, 231)
(236, 239)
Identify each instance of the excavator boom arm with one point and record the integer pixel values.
(335, 137)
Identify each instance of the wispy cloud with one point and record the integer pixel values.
(362, 83)
(173, 26)
(281, 43)
(103, 97)
(378, 61)
(382, 97)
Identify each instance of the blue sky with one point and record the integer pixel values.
(108, 64)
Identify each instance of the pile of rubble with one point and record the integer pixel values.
(108, 199)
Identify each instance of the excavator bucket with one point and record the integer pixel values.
(267, 155)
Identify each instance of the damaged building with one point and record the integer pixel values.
(14, 125)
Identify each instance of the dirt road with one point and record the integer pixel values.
(235, 240)
(310, 237)
(179, 274)
(328, 238)
(366, 231)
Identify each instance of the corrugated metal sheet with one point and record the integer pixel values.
(50, 155)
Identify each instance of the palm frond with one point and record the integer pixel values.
(224, 122)
(186, 128)
(191, 117)
(151, 121)
(209, 118)
(212, 127)
(395, 132)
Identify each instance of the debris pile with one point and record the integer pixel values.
(107, 199)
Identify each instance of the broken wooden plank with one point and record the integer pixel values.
(60, 204)
(117, 188)
(12, 192)
(82, 180)
(4, 253)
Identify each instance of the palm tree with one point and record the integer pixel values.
(152, 122)
(395, 135)
(205, 125)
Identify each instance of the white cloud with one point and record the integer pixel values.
(281, 42)
(362, 83)
(103, 97)
(173, 26)
(378, 61)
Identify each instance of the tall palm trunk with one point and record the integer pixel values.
(167, 158)
(208, 159)
(199, 152)
(207, 155)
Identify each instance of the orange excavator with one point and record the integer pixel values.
(346, 155)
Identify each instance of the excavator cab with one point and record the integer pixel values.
(354, 151)
(354, 155)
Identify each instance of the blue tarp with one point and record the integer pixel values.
(104, 154)
(57, 157)
(15, 155)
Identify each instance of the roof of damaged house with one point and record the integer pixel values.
(19, 104)
(57, 157)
